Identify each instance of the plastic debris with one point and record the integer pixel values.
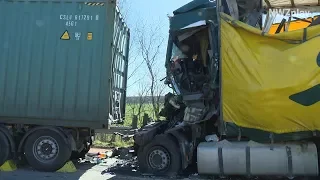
(212, 138)
(109, 153)
(102, 155)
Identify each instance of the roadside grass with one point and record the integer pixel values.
(117, 143)
(111, 140)
(132, 109)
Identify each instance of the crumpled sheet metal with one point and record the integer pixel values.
(270, 82)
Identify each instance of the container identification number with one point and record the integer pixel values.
(72, 20)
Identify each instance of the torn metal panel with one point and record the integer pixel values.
(196, 24)
(233, 8)
(189, 33)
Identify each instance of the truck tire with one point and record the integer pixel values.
(160, 157)
(46, 150)
(4, 149)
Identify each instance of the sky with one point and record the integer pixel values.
(151, 12)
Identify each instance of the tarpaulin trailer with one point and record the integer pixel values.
(244, 102)
(63, 74)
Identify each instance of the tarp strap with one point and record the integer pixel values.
(220, 161)
(304, 35)
(271, 140)
(239, 135)
(289, 156)
(248, 163)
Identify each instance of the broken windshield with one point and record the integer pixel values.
(178, 53)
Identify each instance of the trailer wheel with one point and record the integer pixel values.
(46, 150)
(4, 149)
(160, 157)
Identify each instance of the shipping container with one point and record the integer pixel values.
(62, 63)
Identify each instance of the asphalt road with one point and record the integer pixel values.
(111, 168)
(84, 172)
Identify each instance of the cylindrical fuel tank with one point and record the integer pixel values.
(251, 158)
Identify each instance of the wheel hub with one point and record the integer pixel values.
(159, 159)
(45, 148)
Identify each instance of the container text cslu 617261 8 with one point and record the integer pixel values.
(62, 63)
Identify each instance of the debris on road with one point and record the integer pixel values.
(102, 155)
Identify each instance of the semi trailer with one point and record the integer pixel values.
(244, 100)
(63, 75)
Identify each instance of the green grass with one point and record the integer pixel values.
(110, 140)
(132, 109)
(107, 140)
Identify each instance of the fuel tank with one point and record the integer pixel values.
(254, 159)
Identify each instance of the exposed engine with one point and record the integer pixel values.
(193, 75)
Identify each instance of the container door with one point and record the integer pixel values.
(120, 48)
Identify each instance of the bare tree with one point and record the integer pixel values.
(138, 104)
(145, 47)
(150, 43)
(143, 91)
(134, 63)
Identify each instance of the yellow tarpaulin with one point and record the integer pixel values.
(270, 82)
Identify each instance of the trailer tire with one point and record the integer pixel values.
(4, 149)
(46, 150)
(160, 157)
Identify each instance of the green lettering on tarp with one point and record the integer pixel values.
(318, 59)
(310, 96)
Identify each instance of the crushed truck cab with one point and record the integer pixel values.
(245, 96)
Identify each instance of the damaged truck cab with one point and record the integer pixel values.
(168, 147)
(236, 110)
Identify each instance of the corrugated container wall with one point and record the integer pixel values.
(62, 62)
